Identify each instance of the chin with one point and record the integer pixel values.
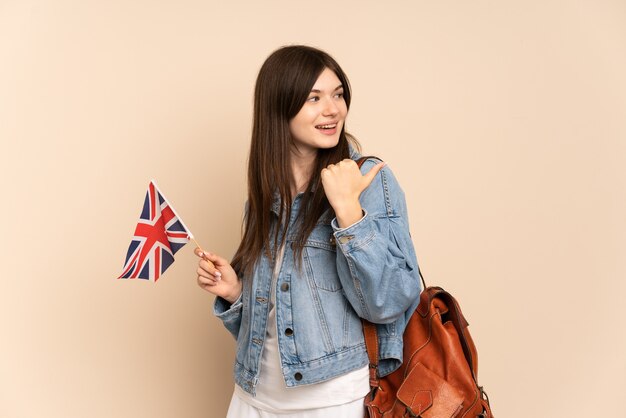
(329, 144)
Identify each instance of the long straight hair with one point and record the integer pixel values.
(282, 87)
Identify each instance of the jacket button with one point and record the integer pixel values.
(288, 332)
(284, 287)
(345, 239)
(298, 376)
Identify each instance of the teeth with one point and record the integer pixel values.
(326, 126)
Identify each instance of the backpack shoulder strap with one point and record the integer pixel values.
(371, 345)
(361, 160)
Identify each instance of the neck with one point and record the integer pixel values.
(302, 165)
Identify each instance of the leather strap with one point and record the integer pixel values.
(371, 345)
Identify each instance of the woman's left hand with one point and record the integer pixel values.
(343, 184)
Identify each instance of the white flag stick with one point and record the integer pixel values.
(180, 219)
(173, 210)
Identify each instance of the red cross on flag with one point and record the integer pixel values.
(159, 234)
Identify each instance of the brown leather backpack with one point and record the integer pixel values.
(438, 375)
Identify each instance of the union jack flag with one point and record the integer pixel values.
(159, 234)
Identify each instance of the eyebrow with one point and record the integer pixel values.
(319, 91)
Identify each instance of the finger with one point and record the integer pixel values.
(207, 278)
(215, 275)
(198, 251)
(209, 273)
(215, 259)
(203, 282)
(369, 176)
(208, 267)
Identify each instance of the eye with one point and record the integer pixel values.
(339, 95)
(313, 99)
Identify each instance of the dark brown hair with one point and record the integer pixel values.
(282, 87)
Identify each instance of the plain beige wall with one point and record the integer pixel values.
(503, 120)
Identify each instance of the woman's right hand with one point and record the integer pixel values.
(215, 275)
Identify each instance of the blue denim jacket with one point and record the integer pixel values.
(367, 270)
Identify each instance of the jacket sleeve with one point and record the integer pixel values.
(376, 260)
(230, 314)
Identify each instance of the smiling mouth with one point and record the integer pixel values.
(326, 127)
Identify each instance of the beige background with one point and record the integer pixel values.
(503, 120)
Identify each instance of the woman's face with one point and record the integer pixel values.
(321, 119)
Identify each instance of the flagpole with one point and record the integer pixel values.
(204, 257)
(198, 245)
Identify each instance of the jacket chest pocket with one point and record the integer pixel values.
(320, 259)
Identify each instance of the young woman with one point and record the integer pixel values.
(324, 244)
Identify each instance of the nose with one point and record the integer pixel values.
(330, 108)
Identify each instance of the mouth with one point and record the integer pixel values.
(327, 126)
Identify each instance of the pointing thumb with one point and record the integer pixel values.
(369, 176)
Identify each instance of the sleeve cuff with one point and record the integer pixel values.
(222, 308)
(354, 236)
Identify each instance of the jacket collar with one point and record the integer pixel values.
(354, 154)
(276, 202)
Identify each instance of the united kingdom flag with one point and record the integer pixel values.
(159, 234)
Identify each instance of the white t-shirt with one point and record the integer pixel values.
(273, 395)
